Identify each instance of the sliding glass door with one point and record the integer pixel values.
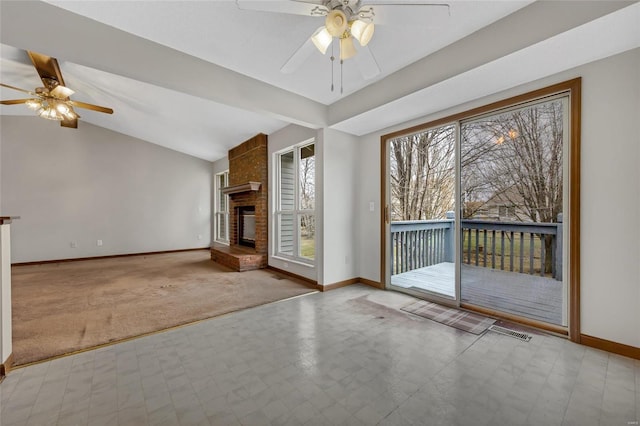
(479, 209)
(422, 219)
(512, 187)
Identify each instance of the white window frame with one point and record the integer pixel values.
(297, 212)
(219, 212)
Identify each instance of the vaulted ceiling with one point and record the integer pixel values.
(200, 77)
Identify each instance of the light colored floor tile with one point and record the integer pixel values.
(348, 356)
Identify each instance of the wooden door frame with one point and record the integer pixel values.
(573, 88)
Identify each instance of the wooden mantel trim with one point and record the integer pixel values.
(245, 187)
(7, 219)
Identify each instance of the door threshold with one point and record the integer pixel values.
(545, 326)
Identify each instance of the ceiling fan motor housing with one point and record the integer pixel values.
(348, 7)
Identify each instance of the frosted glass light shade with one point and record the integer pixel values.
(322, 39)
(33, 104)
(50, 114)
(71, 114)
(347, 49)
(362, 31)
(336, 23)
(62, 108)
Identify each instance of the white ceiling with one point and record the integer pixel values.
(257, 44)
(202, 76)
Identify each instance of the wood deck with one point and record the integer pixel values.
(526, 295)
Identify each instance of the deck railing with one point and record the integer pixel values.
(525, 247)
(421, 243)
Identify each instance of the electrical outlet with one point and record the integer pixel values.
(74, 244)
(285, 265)
(99, 243)
(199, 236)
(372, 206)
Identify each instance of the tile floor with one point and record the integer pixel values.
(349, 356)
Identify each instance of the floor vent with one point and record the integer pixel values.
(515, 334)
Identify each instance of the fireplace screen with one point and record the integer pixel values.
(247, 226)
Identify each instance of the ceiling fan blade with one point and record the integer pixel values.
(61, 92)
(47, 68)
(90, 106)
(14, 101)
(18, 89)
(283, 6)
(406, 13)
(367, 63)
(299, 57)
(70, 123)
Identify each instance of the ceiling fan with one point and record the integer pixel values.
(349, 20)
(52, 101)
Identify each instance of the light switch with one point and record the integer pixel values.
(372, 206)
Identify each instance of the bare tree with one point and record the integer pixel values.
(307, 183)
(521, 159)
(423, 174)
(517, 157)
(307, 187)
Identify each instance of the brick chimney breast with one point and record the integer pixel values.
(248, 163)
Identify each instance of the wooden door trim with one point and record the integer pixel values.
(574, 89)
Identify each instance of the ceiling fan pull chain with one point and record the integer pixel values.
(333, 58)
(341, 88)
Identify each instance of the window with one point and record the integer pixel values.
(221, 209)
(506, 211)
(295, 203)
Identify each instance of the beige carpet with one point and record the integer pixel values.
(60, 308)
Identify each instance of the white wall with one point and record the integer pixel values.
(2, 212)
(610, 246)
(282, 139)
(610, 191)
(6, 344)
(368, 222)
(221, 165)
(340, 206)
(91, 183)
(336, 202)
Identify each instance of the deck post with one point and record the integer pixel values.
(558, 248)
(450, 238)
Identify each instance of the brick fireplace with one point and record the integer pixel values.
(247, 190)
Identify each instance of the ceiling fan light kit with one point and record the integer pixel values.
(344, 27)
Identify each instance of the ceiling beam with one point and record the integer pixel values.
(532, 24)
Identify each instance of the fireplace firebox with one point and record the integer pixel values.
(247, 226)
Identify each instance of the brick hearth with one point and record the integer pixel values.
(247, 164)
